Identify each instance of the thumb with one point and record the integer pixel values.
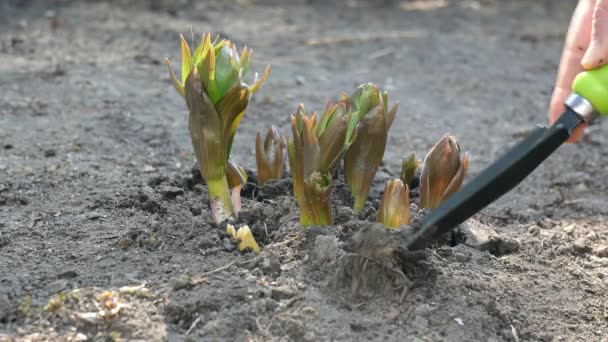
(597, 53)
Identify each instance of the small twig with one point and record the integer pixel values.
(381, 53)
(514, 332)
(574, 201)
(193, 325)
(403, 293)
(198, 280)
(34, 221)
(109, 237)
(227, 266)
(291, 301)
(287, 218)
(358, 305)
(265, 331)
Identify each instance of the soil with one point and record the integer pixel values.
(97, 191)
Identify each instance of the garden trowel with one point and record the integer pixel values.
(589, 99)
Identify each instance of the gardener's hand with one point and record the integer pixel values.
(586, 48)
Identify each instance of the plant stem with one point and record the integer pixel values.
(220, 200)
(315, 213)
(315, 201)
(359, 201)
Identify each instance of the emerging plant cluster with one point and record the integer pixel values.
(354, 130)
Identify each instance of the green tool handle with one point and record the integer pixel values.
(593, 86)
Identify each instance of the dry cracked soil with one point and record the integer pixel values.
(97, 191)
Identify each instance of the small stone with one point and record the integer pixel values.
(252, 214)
(4, 240)
(300, 80)
(485, 238)
(477, 235)
(534, 230)
(50, 153)
(325, 249)
(359, 326)
(170, 192)
(56, 286)
(424, 309)
(250, 278)
(581, 246)
(80, 337)
(195, 211)
(393, 314)
(68, 274)
(569, 230)
(228, 245)
(271, 266)
(420, 324)
(445, 251)
(283, 292)
(148, 169)
(271, 305)
(601, 252)
(125, 243)
(581, 187)
(289, 266)
(178, 283)
(507, 246)
(94, 216)
(459, 321)
(592, 236)
(344, 214)
(157, 180)
(461, 257)
(310, 336)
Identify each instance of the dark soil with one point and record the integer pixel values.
(97, 192)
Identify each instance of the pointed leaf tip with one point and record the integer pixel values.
(186, 58)
(176, 83)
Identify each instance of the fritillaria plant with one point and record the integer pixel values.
(362, 160)
(211, 83)
(270, 155)
(394, 209)
(442, 173)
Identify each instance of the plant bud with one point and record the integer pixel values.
(408, 169)
(442, 172)
(394, 209)
(270, 155)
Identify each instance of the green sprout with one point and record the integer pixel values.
(245, 238)
(315, 149)
(363, 158)
(56, 302)
(211, 83)
(408, 168)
